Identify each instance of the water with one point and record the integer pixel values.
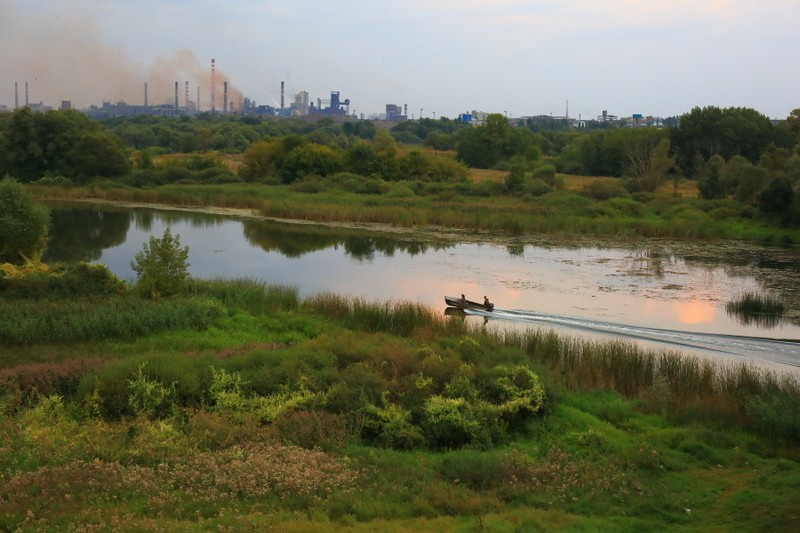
(656, 293)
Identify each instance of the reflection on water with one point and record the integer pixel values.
(299, 239)
(759, 320)
(680, 286)
(82, 233)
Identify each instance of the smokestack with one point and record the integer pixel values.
(16, 96)
(186, 95)
(213, 81)
(145, 94)
(405, 110)
(281, 96)
(26, 94)
(197, 106)
(225, 98)
(176, 95)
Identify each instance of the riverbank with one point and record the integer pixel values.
(330, 413)
(463, 208)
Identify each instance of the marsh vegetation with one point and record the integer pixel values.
(329, 412)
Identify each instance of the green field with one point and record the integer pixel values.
(239, 406)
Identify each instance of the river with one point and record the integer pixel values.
(659, 293)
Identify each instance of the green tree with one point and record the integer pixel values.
(162, 266)
(776, 198)
(310, 159)
(515, 178)
(705, 132)
(24, 224)
(710, 181)
(648, 162)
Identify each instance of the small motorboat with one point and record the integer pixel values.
(458, 303)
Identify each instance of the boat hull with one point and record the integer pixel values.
(456, 302)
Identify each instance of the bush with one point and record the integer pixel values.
(604, 189)
(161, 267)
(24, 224)
(546, 173)
(537, 187)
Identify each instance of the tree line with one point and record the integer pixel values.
(735, 153)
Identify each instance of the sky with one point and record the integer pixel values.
(438, 57)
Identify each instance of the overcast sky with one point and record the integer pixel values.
(657, 57)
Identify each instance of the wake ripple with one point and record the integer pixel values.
(775, 351)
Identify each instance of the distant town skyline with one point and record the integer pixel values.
(441, 57)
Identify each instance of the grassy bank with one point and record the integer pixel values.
(471, 206)
(331, 414)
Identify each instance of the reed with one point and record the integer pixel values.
(253, 295)
(464, 206)
(758, 308)
(697, 388)
(28, 322)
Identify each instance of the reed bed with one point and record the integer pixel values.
(398, 318)
(756, 308)
(558, 212)
(693, 386)
(249, 294)
(27, 322)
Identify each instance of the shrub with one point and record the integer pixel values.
(150, 398)
(24, 224)
(391, 426)
(161, 266)
(537, 187)
(600, 189)
(546, 173)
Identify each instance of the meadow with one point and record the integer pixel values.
(580, 205)
(238, 405)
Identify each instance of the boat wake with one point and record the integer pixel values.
(784, 353)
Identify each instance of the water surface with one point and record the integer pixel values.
(604, 285)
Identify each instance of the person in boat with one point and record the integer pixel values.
(486, 303)
(463, 299)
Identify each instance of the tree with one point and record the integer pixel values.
(710, 181)
(24, 224)
(161, 266)
(310, 159)
(777, 198)
(516, 174)
(648, 162)
(705, 132)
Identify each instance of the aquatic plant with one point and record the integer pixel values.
(764, 310)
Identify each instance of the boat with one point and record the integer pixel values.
(458, 303)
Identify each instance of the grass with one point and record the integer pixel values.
(628, 440)
(763, 309)
(476, 206)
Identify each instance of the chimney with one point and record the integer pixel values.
(26, 94)
(281, 95)
(16, 96)
(176, 95)
(225, 98)
(145, 94)
(197, 105)
(186, 95)
(213, 81)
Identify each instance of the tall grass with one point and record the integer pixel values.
(397, 318)
(28, 322)
(752, 308)
(455, 206)
(692, 386)
(251, 295)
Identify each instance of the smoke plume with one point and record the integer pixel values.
(62, 56)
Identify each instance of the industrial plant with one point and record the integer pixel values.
(221, 98)
(188, 101)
